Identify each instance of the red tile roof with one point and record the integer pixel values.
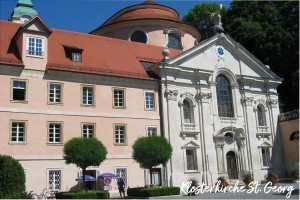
(100, 55)
(9, 53)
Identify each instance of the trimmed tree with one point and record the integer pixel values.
(151, 151)
(84, 152)
(12, 178)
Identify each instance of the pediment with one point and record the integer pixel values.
(36, 25)
(234, 57)
(190, 144)
(265, 145)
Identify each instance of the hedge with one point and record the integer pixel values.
(82, 195)
(152, 192)
(12, 178)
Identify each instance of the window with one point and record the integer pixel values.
(18, 130)
(191, 159)
(151, 131)
(122, 173)
(35, 46)
(119, 98)
(260, 116)
(55, 93)
(19, 90)
(187, 117)
(174, 41)
(87, 95)
(120, 134)
(139, 36)
(88, 130)
(265, 153)
(55, 132)
(224, 97)
(76, 57)
(54, 179)
(149, 100)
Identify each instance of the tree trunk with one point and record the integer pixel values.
(150, 170)
(83, 179)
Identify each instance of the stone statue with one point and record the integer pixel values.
(216, 18)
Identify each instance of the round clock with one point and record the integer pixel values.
(220, 51)
(228, 137)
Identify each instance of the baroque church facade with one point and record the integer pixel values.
(149, 74)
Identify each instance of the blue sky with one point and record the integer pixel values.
(86, 15)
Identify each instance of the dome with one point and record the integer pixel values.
(146, 10)
(24, 8)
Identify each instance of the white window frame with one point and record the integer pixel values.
(54, 137)
(35, 47)
(88, 98)
(148, 102)
(116, 104)
(267, 150)
(24, 122)
(50, 186)
(122, 167)
(83, 129)
(25, 92)
(148, 130)
(76, 57)
(117, 134)
(55, 93)
(195, 156)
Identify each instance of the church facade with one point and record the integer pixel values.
(213, 100)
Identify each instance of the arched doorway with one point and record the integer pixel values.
(232, 165)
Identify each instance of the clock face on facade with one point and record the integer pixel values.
(228, 137)
(220, 51)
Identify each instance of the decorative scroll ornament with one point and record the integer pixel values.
(205, 97)
(171, 95)
(247, 100)
(272, 103)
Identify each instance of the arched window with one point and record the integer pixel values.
(224, 97)
(187, 115)
(174, 41)
(260, 116)
(139, 36)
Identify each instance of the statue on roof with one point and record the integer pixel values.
(215, 17)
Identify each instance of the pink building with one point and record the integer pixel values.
(57, 85)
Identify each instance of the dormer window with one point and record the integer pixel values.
(73, 53)
(76, 57)
(35, 46)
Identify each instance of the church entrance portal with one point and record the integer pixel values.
(231, 165)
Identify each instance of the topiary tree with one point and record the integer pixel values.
(12, 178)
(151, 151)
(84, 152)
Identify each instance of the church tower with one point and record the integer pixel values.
(23, 12)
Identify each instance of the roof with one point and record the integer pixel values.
(100, 55)
(9, 53)
(147, 10)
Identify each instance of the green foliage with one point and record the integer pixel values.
(84, 152)
(12, 178)
(195, 182)
(82, 195)
(286, 180)
(270, 31)
(151, 151)
(247, 176)
(152, 192)
(200, 18)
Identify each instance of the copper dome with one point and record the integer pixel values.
(147, 10)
